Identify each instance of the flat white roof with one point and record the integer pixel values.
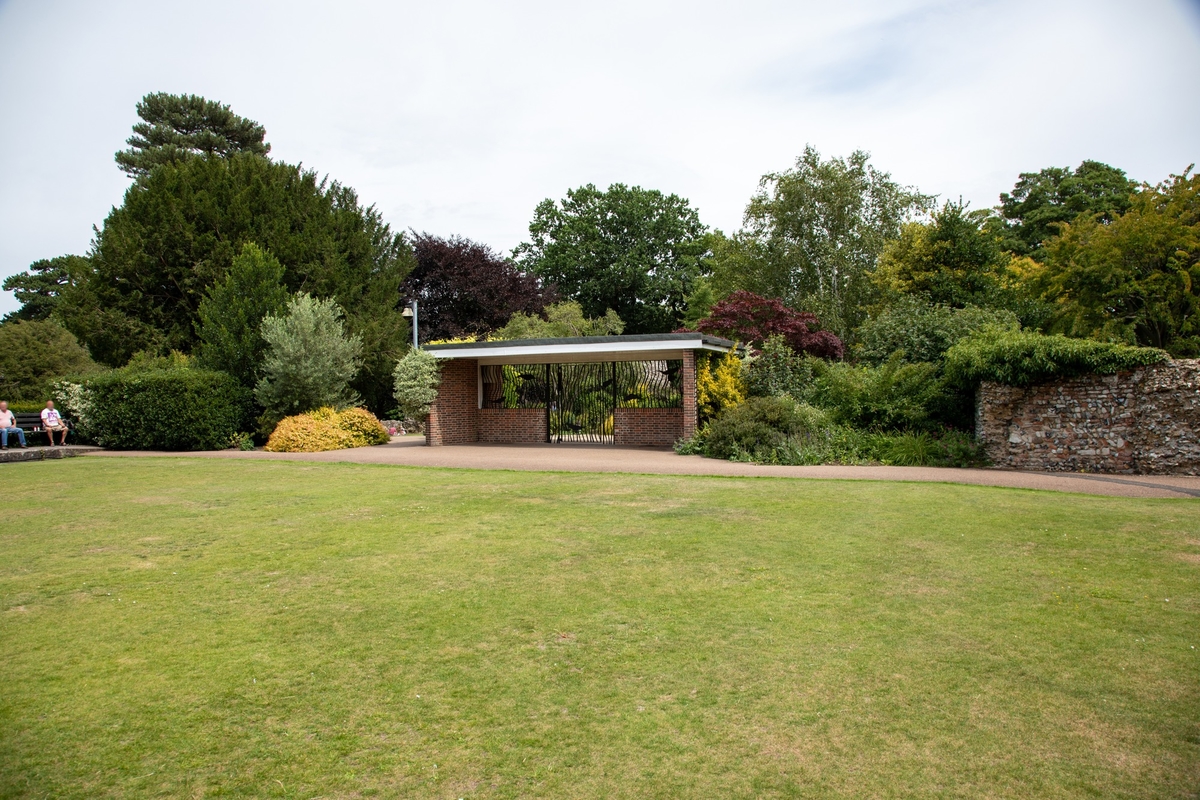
(643, 347)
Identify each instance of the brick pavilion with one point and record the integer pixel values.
(623, 390)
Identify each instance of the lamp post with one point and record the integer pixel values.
(410, 312)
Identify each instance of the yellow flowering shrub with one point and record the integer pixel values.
(719, 386)
(326, 429)
(364, 426)
(324, 414)
(306, 433)
(457, 340)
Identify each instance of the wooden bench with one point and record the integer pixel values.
(31, 423)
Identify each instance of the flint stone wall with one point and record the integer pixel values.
(1145, 421)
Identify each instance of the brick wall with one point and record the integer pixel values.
(688, 387)
(454, 418)
(643, 427)
(1144, 421)
(512, 425)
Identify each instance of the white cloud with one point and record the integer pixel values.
(460, 117)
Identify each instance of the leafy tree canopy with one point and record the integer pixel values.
(699, 303)
(1135, 279)
(635, 251)
(955, 260)
(35, 353)
(232, 310)
(749, 318)
(812, 235)
(175, 127)
(181, 226)
(150, 361)
(560, 320)
(465, 289)
(1041, 201)
(38, 288)
(913, 330)
(948, 261)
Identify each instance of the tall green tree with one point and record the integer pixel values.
(175, 127)
(179, 229)
(950, 261)
(956, 260)
(699, 303)
(812, 235)
(310, 359)
(633, 250)
(1136, 278)
(35, 353)
(38, 288)
(232, 310)
(559, 320)
(1042, 201)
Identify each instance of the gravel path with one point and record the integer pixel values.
(410, 451)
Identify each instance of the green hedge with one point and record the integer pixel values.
(1022, 358)
(26, 406)
(169, 409)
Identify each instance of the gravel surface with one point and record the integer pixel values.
(410, 451)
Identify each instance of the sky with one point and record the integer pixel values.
(459, 117)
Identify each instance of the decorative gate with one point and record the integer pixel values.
(580, 398)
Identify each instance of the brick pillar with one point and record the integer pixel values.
(688, 387)
(433, 429)
(454, 417)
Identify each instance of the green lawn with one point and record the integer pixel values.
(204, 628)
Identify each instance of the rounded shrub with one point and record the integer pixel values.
(307, 433)
(166, 409)
(363, 426)
(416, 377)
(327, 429)
(922, 332)
(758, 427)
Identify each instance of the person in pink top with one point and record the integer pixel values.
(52, 422)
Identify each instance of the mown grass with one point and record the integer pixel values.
(197, 628)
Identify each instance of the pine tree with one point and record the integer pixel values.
(38, 288)
(175, 127)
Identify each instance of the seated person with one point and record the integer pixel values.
(8, 424)
(52, 422)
